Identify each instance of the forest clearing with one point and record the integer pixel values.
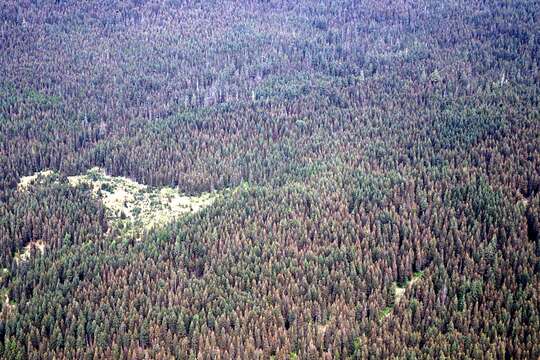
(132, 208)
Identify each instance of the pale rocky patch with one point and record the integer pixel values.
(137, 207)
(27, 180)
(8, 306)
(27, 251)
(400, 291)
(322, 329)
(134, 208)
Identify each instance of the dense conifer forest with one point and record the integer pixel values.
(374, 165)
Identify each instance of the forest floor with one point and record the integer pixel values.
(27, 251)
(400, 290)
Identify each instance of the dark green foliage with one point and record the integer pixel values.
(372, 189)
(479, 200)
(464, 128)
